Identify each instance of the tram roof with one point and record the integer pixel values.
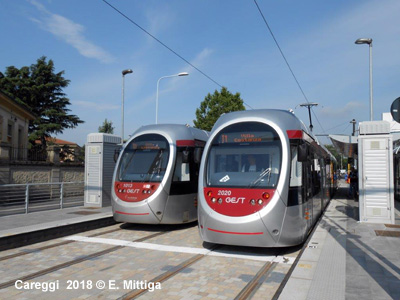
(175, 131)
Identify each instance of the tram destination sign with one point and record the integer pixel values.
(149, 145)
(245, 137)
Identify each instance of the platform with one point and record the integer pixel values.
(23, 229)
(346, 259)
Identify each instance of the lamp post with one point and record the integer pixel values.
(124, 72)
(368, 42)
(158, 83)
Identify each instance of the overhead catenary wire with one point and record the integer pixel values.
(345, 123)
(286, 61)
(346, 128)
(166, 46)
(162, 43)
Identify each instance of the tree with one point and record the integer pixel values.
(41, 90)
(214, 106)
(341, 161)
(107, 127)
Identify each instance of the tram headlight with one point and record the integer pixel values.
(253, 202)
(213, 199)
(260, 202)
(219, 200)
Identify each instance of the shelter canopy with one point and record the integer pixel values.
(345, 144)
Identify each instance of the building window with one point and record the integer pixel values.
(9, 132)
(1, 128)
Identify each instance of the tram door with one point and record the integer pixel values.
(308, 192)
(186, 173)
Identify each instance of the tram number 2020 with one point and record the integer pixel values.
(224, 193)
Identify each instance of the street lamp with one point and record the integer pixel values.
(158, 82)
(124, 72)
(369, 42)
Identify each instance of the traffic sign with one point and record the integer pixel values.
(395, 110)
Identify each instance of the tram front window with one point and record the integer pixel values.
(144, 159)
(245, 155)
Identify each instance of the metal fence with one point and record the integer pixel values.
(26, 154)
(24, 198)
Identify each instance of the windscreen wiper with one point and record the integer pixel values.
(123, 173)
(261, 176)
(155, 165)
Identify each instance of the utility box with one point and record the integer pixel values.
(375, 174)
(99, 168)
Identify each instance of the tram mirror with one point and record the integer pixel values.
(116, 154)
(395, 110)
(198, 152)
(185, 156)
(302, 153)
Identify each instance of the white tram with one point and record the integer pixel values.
(156, 176)
(264, 180)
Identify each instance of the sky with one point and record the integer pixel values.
(228, 41)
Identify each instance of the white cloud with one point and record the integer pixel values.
(198, 61)
(202, 56)
(159, 21)
(70, 32)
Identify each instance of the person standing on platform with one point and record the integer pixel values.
(353, 183)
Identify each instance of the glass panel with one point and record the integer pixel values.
(144, 159)
(296, 167)
(182, 171)
(245, 155)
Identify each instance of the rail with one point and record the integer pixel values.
(30, 197)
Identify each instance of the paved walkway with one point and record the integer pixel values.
(346, 259)
(24, 229)
(23, 223)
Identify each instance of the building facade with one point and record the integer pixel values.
(14, 123)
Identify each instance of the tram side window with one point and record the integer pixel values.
(182, 170)
(317, 176)
(296, 168)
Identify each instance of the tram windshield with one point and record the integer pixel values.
(245, 155)
(144, 159)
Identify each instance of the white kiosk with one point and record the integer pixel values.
(99, 168)
(375, 173)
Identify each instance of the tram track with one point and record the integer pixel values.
(75, 261)
(246, 293)
(251, 288)
(167, 275)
